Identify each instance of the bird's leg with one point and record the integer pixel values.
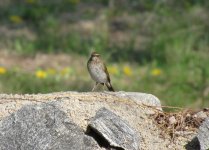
(94, 86)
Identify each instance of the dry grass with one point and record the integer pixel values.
(178, 123)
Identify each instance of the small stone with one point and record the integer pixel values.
(188, 115)
(172, 120)
(170, 146)
(201, 115)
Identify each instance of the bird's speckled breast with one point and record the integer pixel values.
(96, 71)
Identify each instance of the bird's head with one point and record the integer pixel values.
(94, 54)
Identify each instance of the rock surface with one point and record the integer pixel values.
(79, 107)
(116, 131)
(203, 135)
(201, 115)
(42, 127)
(144, 98)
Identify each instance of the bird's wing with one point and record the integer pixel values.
(106, 71)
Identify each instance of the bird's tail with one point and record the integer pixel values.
(109, 86)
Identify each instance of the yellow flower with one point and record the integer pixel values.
(66, 71)
(41, 74)
(30, 1)
(113, 70)
(3, 70)
(127, 70)
(156, 72)
(51, 71)
(16, 19)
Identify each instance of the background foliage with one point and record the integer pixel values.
(153, 46)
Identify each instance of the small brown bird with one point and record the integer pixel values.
(98, 71)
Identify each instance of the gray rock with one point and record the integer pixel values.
(116, 131)
(144, 98)
(201, 115)
(42, 127)
(203, 135)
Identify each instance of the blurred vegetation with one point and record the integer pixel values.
(153, 46)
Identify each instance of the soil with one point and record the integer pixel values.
(43, 61)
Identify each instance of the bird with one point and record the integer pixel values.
(98, 71)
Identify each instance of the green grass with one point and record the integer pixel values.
(176, 36)
(170, 85)
(22, 82)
